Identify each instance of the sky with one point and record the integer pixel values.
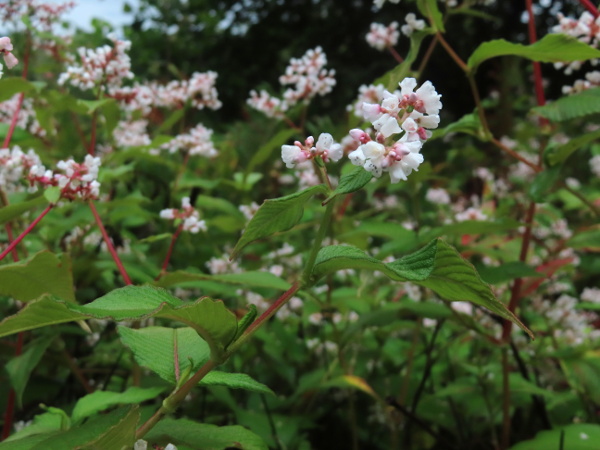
(109, 10)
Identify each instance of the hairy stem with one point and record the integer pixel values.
(28, 230)
(165, 263)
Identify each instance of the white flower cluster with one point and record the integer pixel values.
(196, 141)
(592, 80)
(372, 93)
(105, 66)
(41, 15)
(326, 148)
(6, 48)
(438, 196)
(412, 24)
(380, 3)
(79, 180)
(381, 37)
(26, 120)
(407, 112)
(189, 216)
(14, 164)
(586, 29)
(470, 213)
(222, 265)
(308, 78)
(131, 133)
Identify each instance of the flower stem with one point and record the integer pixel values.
(395, 54)
(590, 7)
(109, 244)
(169, 252)
(457, 59)
(31, 226)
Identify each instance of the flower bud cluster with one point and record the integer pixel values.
(308, 78)
(195, 142)
(409, 113)
(79, 180)
(189, 216)
(131, 133)
(372, 93)
(6, 48)
(381, 37)
(412, 24)
(105, 66)
(586, 29)
(14, 163)
(326, 148)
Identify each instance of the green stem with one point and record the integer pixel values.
(325, 221)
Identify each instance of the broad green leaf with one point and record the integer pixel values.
(276, 215)
(430, 9)
(154, 348)
(100, 400)
(265, 152)
(402, 70)
(185, 432)
(506, 272)
(580, 436)
(11, 212)
(45, 423)
(235, 381)
(20, 367)
(249, 279)
(119, 436)
(543, 183)
(589, 239)
(468, 124)
(209, 318)
(572, 106)
(43, 273)
(437, 266)
(89, 106)
(557, 155)
(13, 85)
(52, 194)
(551, 48)
(351, 182)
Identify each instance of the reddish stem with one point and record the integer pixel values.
(587, 4)
(31, 226)
(170, 251)
(9, 233)
(109, 244)
(395, 54)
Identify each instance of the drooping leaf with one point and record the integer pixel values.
(43, 273)
(555, 47)
(572, 106)
(235, 381)
(154, 348)
(351, 182)
(11, 212)
(209, 318)
(207, 437)
(437, 266)
(559, 154)
(579, 436)
(20, 367)
(276, 215)
(249, 279)
(100, 400)
(121, 435)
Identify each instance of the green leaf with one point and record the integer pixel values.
(42, 424)
(265, 152)
(580, 436)
(543, 183)
(43, 273)
(208, 317)
(119, 436)
(170, 121)
(101, 400)
(235, 381)
(572, 106)
(19, 368)
(11, 212)
(249, 279)
(52, 194)
(429, 8)
(589, 239)
(351, 182)
(276, 215)
(437, 266)
(185, 432)
(557, 155)
(13, 85)
(471, 227)
(154, 348)
(551, 48)
(467, 124)
(506, 272)
(246, 321)
(90, 106)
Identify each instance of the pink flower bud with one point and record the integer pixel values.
(10, 60)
